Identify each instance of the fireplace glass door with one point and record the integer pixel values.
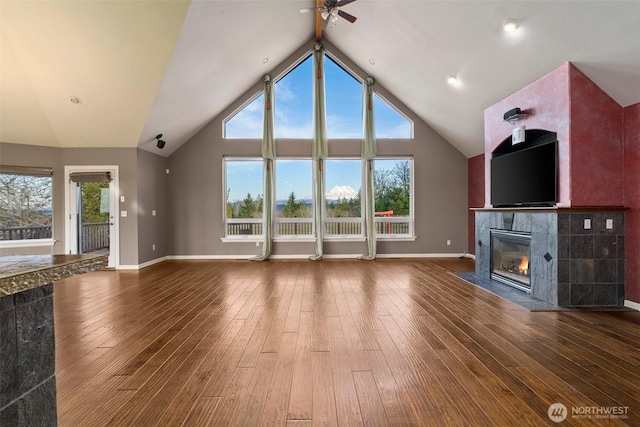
(510, 255)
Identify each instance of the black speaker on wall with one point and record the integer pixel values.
(160, 143)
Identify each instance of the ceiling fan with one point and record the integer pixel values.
(330, 11)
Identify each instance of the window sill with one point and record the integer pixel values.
(307, 239)
(239, 239)
(345, 239)
(398, 238)
(28, 243)
(294, 239)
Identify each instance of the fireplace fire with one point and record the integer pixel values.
(510, 254)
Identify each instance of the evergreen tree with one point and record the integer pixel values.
(92, 201)
(248, 207)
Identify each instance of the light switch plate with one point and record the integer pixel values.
(609, 224)
(587, 223)
(123, 214)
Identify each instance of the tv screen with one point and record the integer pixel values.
(528, 177)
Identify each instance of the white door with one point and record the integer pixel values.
(91, 195)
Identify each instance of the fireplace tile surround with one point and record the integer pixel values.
(570, 265)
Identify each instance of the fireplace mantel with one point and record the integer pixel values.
(557, 209)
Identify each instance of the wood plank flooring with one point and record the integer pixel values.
(337, 342)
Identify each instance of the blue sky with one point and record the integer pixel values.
(294, 118)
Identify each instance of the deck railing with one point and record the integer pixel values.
(26, 233)
(95, 236)
(385, 226)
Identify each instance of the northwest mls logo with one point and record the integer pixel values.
(557, 412)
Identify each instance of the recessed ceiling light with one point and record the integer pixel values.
(372, 62)
(74, 99)
(510, 25)
(452, 80)
(265, 60)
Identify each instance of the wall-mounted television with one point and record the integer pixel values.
(525, 177)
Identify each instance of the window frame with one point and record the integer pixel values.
(279, 220)
(227, 221)
(410, 235)
(39, 172)
(349, 220)
(356, 77)
(397, 110)
(237, 111)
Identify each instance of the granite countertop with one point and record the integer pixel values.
(24, 272)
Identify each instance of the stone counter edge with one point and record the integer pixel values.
(33, 279)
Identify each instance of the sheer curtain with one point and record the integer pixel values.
(320, 149)
(268, 154)
(369, 151)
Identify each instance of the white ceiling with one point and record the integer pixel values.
(146, 67)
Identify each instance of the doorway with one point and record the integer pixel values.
(91, 204)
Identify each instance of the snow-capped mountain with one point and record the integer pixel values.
(341, 192)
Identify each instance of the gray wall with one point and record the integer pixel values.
(440, 177)
(57, 158)
(152, 195)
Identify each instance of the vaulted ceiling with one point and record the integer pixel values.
(140, 68)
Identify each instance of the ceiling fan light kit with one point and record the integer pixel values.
(330, 11)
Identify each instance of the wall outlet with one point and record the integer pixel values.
(257, 244)
(448, 242)
(609, 224)
(587, 224)
(153, 212)
(153, 247)
(121, 199)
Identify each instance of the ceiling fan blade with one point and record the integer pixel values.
(343, 2)
(325, 22)
(347, 16)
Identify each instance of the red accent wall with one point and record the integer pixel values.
(631, 136)
(595, 143)
(546, 101)
(475, 188)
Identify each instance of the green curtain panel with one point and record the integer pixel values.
(320, 149)
(268, 154)
(369, 151)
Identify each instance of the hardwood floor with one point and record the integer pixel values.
(335, 342)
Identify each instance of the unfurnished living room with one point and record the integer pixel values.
(319, 212)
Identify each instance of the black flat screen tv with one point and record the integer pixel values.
(528, 177)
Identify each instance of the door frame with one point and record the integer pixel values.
(70, 210)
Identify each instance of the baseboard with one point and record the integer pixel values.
(326, 256)
(632, 304)
(143, 265)
(211, 257)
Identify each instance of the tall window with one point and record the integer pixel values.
(393, 180)
(243, 197)
(25, 203)
(342, 209)
(294, 197)
(343, 204)
(293, 97)
(247, 122)
(344, 101)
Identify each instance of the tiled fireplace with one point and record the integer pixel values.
(576, 256)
